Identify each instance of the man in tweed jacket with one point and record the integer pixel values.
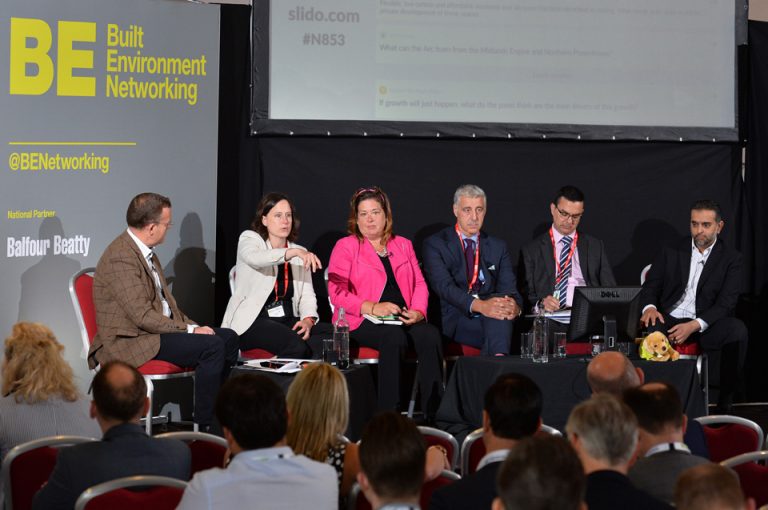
(138, 319)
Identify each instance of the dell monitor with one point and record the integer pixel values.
(612, 312)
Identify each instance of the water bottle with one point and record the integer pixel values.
(341, 339)
(540, 338)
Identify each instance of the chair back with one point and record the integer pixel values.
(752, 476)
(163, 493)
(472, 451)
(81, 293)
(433, 436)
(728, 436)
(644, 273)
(208, 451)
(358, 501)
(27, 467)
(550, 430)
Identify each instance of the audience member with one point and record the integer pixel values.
(662, 454)
(472, 274)
(264, 471)
(40, 398)
(541, 473)
(392, 455)
(710, 487)
(603, 431)
(511, 412)
(119, 401)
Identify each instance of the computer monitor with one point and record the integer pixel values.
(618, 305)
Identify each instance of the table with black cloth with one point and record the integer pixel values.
(563, 383)
(362, 393)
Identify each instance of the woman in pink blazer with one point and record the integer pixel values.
(374, 272)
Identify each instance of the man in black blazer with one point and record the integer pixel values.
(472, 274)
(564, 258)
(690, 294)
(119, 401)
(511, 412)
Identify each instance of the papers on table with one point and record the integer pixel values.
(279, 365)
(386, 319)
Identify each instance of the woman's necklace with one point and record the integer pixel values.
(382, 252)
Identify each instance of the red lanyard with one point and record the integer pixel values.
(558, 276)
(285, 287)
(476, 270)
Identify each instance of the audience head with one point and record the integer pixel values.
(392, 457)
(706, 223)
(512, 408)
(567, 209)
(318, 403)
(603, 431)
(612, 372)
(252, 413)
(119, 394)
(469, 207)
(34, 369)
(541, 473)
(710, 487)
(659, 413)
(271, 209)
(370, 215)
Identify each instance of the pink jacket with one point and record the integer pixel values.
(355, 274)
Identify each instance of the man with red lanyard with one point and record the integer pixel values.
(563, 258)
(472, 274)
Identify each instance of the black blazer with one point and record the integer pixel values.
(539, 266)
(125, 450)
(719, 286)
(446, 270)
(609, 490)
(470, 493)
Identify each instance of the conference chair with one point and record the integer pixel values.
(433, 436)
(550, 430)
(27, 467)
(472, 451)
(81, 293)
(753, 474)
(358, 501)
(250, 353)
(162, 493)
(728, 436)
(208, 451)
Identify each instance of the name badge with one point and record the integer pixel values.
(275, 310)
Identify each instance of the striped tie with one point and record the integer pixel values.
(565, 270)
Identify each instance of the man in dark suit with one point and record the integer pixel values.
(119, 401)
(472, 274)
(511, 412)
(564, 258)
(137, 317)
(690, 294)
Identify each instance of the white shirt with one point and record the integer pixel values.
(271, 478)
(494, 456)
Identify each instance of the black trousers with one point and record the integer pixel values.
(213, 356)
(392, 343)
(277, 337)
(729, 336)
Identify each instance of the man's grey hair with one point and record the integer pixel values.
(468, 190)
(606, 427)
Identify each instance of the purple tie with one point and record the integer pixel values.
(469, 255)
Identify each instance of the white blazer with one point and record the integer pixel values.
(255, 274)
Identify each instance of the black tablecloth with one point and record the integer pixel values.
(362, 394)
(563, 383)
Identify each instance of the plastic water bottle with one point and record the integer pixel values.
(341, 339)
(540, 338)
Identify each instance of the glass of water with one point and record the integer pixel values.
(559, 343)
(526, 344)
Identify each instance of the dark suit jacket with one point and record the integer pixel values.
(125, 450)
(539, 266)
(129, 310)
(719, 285)
(471, 492)
(446, 270)
(610, 490)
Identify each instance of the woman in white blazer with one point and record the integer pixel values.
(274, 306)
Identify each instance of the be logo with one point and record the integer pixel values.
(32, 67)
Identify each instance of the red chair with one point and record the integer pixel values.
(208, 451)
(728, 436)
(433, 436)
(27, 467)
(550, 430)
(753, 476)
(163, 493)
(81, 292)
(472, 451)
(358, 501)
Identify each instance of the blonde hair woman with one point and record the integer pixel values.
(39, 395)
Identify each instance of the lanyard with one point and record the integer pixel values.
(476, 270)
(285, 285)
(558, 276)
